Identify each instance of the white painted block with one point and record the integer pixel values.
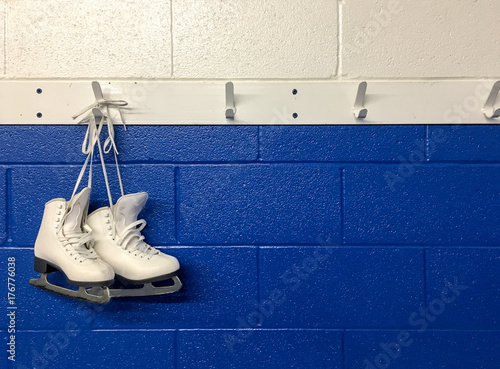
(255, 38)
(2, 38)
(426, 38)
(92, 38)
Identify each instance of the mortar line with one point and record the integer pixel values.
(425, 279)
(258, 143)
(258, 284)
(426, 143)
(340, 37)
(367, 163)
(176, 204)
(340, 330)
(342, 191)
(8, 203)
(463, 78)
(176, 355)
(187, 245)
(343, 349)
(5, 38)
(171, 39)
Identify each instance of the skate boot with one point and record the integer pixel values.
(119, 242)
(64, 243)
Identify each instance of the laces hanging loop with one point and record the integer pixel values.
(103, 104)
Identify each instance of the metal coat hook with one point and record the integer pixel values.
(96, 87)
(359, 109)
(96, 112)
(489, 108)
(230, 107)
(101, 102)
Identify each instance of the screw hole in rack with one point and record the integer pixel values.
(38, 91)
(295, 115)
(39, 115)
(294, 91)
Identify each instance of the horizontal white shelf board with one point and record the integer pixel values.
(262, 102)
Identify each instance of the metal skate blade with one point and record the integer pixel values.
(147, 290)
(81, 294)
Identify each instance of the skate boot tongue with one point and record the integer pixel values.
(127, 208)
(77, 207)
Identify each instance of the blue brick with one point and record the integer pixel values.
(262, 349)
(457, 350)
(464, 143)
(219, 286)
(339, 143)
(33, 186)
(62, 144)
(110, 349)
(477, 306)
(38, 309)
(339, 287)
(188, 143)
(252, 204)
(445, 205)
(3, 205)
(57, 144)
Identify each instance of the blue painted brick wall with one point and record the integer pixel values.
(301, 247)
(259, 204)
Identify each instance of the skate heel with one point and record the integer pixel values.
(41, 266)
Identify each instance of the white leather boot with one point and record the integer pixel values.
(119, 242)
(65, 243)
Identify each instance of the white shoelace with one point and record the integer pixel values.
(81, 243)
(131, 238)
(103, 104)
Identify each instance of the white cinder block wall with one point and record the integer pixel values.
(296, 39)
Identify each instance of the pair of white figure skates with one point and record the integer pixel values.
(94, 250)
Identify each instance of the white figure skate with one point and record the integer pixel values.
(65, 242)
(117, 232)
(119, 242)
